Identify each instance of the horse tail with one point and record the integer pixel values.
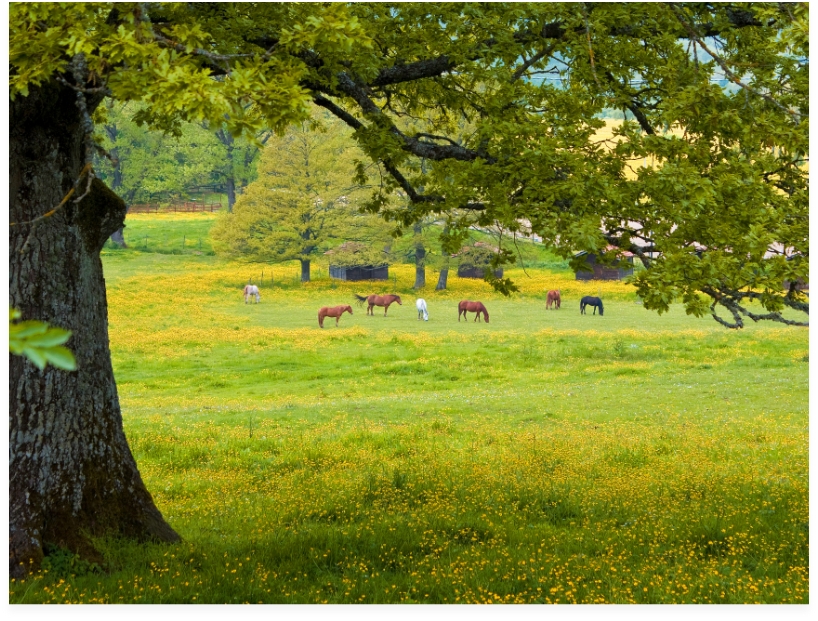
(360, 298)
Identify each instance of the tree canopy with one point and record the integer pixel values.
(150, 164)
(304, 197)
(716, 97)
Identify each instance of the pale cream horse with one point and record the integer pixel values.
(251, 291)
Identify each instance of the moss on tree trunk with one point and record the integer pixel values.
(71, 471)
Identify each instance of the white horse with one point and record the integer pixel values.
(422, 312)
(251, 291)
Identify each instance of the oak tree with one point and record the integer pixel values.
(717, 94)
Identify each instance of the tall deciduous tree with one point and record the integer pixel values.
(146, 163)
(718, 94)
(303, 197)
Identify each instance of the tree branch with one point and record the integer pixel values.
(729, 74)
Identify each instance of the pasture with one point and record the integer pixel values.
(542, 457)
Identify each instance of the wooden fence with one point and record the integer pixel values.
(185, 207)
(144, 208)
(194, 206)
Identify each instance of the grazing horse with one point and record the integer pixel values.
(332, 311)
(472, 307)
(378, 300)
(553, 298)
(422, 311)
(251, 291)
(589, 300)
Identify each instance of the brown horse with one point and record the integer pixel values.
(472, 307)
(553, 298)
(332, 311)
(378, 300)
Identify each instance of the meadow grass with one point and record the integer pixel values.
(542, 457)
(169, 233)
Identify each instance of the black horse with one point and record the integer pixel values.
(590, 300)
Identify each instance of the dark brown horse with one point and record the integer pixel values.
(378, 300)
(332, 311)
(553, 298)
(472, 307)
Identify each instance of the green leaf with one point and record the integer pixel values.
(36, 356)
(61, 357)
(40, 342)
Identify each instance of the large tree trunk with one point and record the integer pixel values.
(420, 258)
(305, 270)
(71, 471)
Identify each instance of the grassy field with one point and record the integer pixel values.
(542, 457)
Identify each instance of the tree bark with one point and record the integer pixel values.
(420, 258)
(230, 185)
(305, 270)
(443, 276)
(71, 471)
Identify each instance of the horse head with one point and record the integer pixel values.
(397, 299)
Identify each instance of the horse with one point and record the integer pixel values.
(472, 307)
(332, 311)
(553, 298)
(422, 311)
(589, 300)
(378, 300)
(251, 291)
